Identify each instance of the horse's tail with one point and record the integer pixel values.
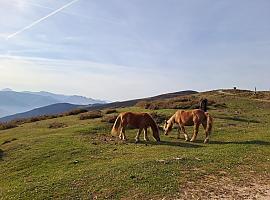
(209, 122)
(116, 125)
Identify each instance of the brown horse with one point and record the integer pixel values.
(137, 120)
(190, 118)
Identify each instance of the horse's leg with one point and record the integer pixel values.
(206, 132)
(185, 133)
(137, 138)
(122, 133)
(145, 135)
(179, 131)
(196, 130)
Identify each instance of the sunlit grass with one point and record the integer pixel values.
(81, 160)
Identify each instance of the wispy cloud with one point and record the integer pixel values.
(41, 19)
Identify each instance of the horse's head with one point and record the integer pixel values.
(167, 127)
(156, 136)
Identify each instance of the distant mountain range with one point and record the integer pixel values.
(46, 110)
(12, 102)
(65, 107)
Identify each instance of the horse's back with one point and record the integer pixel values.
(187, 117)
(200, 114)
(134, 119)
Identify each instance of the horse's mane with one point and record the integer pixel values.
(171, 120)
(153, 125)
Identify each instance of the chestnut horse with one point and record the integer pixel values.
(190, 118)
(137, 120)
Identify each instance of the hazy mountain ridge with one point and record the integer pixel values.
(53, 109)
(12, 102)
(72, 99)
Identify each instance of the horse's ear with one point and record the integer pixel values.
(165, 121)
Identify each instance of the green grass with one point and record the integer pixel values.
(82, 161)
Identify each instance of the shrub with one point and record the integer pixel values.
(110, 111)
(36, 119)
(109, 118)
(159, 118)
(173, 103)
(143, 104)
(91, 115)
(8, 125)
(56, 125)
(76, 112)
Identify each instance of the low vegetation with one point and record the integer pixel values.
(159, 117)
(8, 125)
(55, 125)
(109, 118)
(110, 111)
(17, 122)
(91, 115)
(183, 102)
(76, 112)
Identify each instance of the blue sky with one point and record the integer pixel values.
(119, 49)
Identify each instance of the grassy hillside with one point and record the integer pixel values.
(69, 158)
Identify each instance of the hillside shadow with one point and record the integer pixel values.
(170, 143)
(1, 154)
(254, 142)
(239, 119)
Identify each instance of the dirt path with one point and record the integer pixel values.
(221, 188)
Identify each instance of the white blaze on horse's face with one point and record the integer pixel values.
(166, 128)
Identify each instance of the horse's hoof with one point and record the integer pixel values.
(206, 141)
(137, 141)
(191, 140)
